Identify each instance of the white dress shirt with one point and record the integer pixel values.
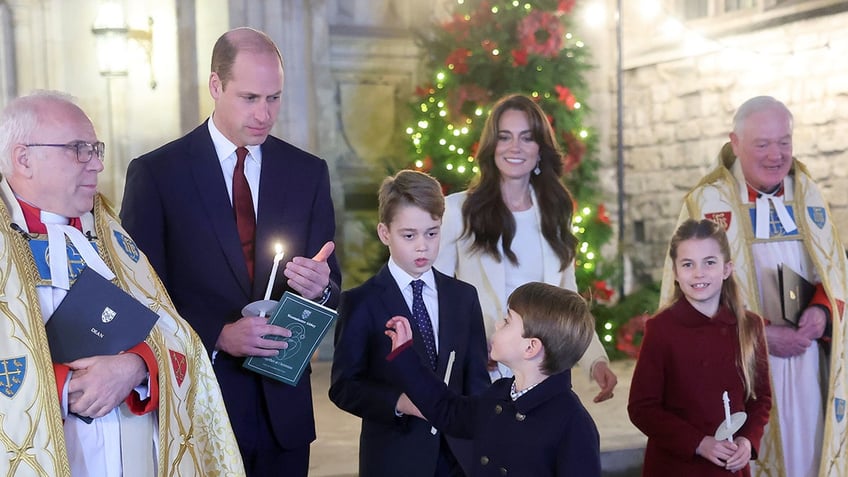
(431, 297)
(226, 151)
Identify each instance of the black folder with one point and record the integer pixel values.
(96, 318)
(795, 293)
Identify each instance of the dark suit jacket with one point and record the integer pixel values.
(361, 384)
(544, 433)
(177, 209)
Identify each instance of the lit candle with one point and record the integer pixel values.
(279, 256)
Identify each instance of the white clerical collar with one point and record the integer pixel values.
(51, 218)
(57, 229)
(763, 212)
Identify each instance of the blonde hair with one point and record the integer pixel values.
(748, 325)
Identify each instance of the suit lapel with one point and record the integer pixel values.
(494, 272)
(550, 262)
(206, 173)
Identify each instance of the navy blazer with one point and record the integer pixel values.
(177, 209)
(361, 384)
(544, 433)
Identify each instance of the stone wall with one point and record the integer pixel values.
(678, 110)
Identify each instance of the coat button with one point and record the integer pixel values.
(484, 460)
(503, 471)
(519, 417)
(498, 409)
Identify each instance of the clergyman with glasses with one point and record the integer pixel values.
(154, 409)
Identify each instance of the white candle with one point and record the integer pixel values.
(726, 399)
(279, 256)
(451, 359)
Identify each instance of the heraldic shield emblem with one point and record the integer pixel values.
(721, 218)
(818, 215)
(128, 246)
(839, 408)
(12, 373)
(108, 315)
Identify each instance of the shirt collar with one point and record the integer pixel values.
(403, 279)
(224, 148)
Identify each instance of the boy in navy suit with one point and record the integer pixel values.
(448, 329)
(531, 424)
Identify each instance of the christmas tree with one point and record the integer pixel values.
(490, 48)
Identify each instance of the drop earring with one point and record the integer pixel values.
(538, 171)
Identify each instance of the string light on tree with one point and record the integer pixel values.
(489, 48)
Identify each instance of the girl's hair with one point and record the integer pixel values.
(748, 324)
(486, 217)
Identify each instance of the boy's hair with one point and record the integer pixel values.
(559, 318)
(731, 296)
(410, 188)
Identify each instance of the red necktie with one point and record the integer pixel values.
(243, 208)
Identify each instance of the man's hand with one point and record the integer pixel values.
(100, 383)
(812, 323)
(398, 329)
(785, 341)
(245, 338)
(310, 276)
(605, 378)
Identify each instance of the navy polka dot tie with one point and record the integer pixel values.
(422, 321)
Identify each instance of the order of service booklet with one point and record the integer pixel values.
(308, 323)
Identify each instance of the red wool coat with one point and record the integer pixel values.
(687, 360)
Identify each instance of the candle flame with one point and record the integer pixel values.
(278, 247)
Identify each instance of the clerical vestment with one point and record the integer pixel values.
(193, 435)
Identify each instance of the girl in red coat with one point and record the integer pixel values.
(703, 344)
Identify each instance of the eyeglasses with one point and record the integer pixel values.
(85, 150)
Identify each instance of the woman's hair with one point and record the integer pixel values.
(748, 325)
(486, 216)
(559, 318)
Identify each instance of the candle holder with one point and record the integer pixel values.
(261, 308)
(726, 429)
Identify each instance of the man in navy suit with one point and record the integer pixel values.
(182, 203)
(395, 439)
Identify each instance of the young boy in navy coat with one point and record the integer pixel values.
(531, 425)
(448, 330)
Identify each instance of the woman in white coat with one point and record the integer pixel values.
(513, 224)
